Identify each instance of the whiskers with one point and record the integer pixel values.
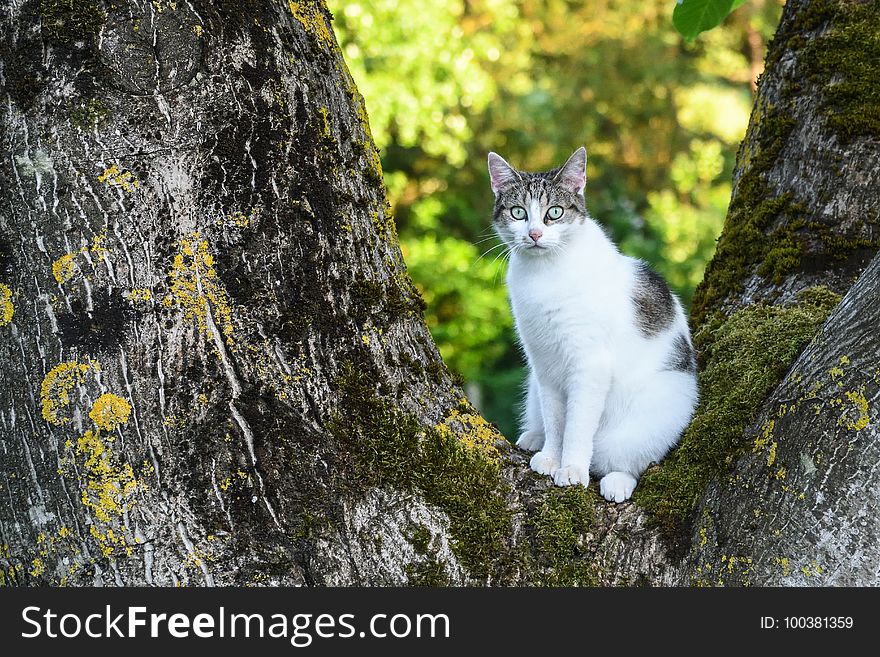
(488, 251)
(502, 251)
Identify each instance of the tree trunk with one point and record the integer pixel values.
(200, 274)
(216, 367)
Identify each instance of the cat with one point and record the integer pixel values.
(612, 370)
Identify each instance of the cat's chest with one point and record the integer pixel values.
(558, 315)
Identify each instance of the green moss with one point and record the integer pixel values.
(430, 570)
(745, 356)
(388, 447)
(845, 62)
(91, 113)
(399, 298)
(561, 519)
(745, 241)
(840, 247)
(69, 21)
(764, 229)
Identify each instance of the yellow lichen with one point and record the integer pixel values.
(311, 17)
(109, 540)
(470, 428)
(764, 438)
(116, 178)
(37, 567)
(786, 565)
(780, 475)
(325, 122)
(197, 30)
(195, 288)
(140, 294)
(110, 411)
(771, 454)
(812, 570)
(109, 486)
(7, 310)
(238, 219)
(859, 408)
(64, 268)
(97, 248)
(56, 387)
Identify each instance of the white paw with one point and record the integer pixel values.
(531, 441)
(543, 463)
(617, 486)
(569, 475)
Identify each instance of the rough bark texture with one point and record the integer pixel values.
(216, 370)
(803, 507)
(803, 210)
(193, 221)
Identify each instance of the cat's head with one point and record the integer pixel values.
(537, 213)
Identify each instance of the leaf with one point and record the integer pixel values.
(691, 17)
(736, 5)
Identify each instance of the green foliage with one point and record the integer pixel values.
(532, 79)
(691, 17)
(465, 302)
(744, 357)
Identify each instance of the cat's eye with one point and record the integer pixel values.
(517, 212)
(555, 212)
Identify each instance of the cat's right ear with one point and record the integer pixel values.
(501, 173)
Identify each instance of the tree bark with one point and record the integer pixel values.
(801, 508)
(216, 367)
(197, 250)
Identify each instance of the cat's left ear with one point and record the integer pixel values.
(573, 174)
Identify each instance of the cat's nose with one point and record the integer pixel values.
(535, 234)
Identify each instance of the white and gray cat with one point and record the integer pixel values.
(612, 373)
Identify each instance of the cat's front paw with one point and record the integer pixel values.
(571, 475)
(617, 486)
(544, 463)
(531, 441)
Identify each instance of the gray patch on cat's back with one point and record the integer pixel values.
(655, 306)
(682, 358)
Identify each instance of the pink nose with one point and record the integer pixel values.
(535, 234)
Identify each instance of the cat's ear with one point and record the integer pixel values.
(501, 173)
(573, 174)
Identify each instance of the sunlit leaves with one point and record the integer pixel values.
(691, 17)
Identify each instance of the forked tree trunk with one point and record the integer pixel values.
(215, 367)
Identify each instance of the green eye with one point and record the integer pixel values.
(517, 212)
(555, 212)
